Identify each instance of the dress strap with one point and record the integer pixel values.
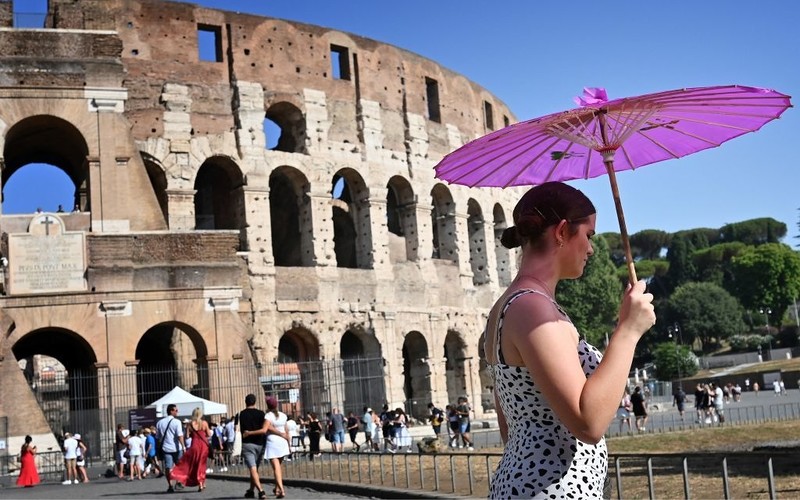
(501, 317)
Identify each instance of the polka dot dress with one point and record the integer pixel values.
(542, 459)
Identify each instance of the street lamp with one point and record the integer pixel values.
(676, 329)
(766, 311)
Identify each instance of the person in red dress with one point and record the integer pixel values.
(191, 469)
(28, 476)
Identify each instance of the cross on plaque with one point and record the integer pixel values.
(47, 221)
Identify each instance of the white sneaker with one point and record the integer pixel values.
(460, 446)
(67, 482)
(471, 448)
(209, 470)
(76, 481)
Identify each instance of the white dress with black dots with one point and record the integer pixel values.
(542, 459)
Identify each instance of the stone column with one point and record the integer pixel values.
(322, 217)
(422, 212)
(379, 248)
(258, 229)
(393, 354)
(462, 248)
(181, 209)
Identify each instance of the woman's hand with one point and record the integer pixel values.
(637, 314)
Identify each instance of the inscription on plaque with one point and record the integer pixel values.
(47, 259)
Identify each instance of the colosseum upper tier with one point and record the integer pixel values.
(255, 205)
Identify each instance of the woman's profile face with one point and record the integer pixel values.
(579, 248)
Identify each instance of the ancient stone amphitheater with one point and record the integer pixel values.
(255, 209)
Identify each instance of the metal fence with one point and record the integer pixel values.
(695, 475)
(49, 465)
(92, 402)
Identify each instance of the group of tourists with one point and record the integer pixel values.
(459, 423)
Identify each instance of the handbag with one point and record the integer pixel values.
(236, 450)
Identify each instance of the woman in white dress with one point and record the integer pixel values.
(277, 443)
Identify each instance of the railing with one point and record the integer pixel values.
(49, 465)
(672, 475)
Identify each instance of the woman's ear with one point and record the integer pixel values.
(561, 232)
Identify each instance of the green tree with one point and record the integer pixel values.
(681, 268)
(705, 312)
(713, 264)
(674, 361)
(649, 243)
(754, 231)
(768, 276)
(614, 242)
(593, 300)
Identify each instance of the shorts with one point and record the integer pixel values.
(251, 454)
(171, 458)
(622, 413)
(437, 429)
(80, 462)
(338, 437)
(69, 462)
(120, 457)
(463, 427)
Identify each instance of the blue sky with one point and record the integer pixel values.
(536, 56)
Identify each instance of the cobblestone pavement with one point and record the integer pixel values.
(154, 488)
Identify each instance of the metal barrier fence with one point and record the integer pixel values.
(91, 402)
(696, 475)
(49, 465)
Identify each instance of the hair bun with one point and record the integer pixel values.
(510, 238)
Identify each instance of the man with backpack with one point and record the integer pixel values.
(436, 417)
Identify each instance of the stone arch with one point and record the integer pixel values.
(362, 370)
(477, 243)
(416, 375)
(352, 235)
(485, 377)
(158, 180)
(455, 349)
(290, 213)
(502, 253)
(292, 123)
(60, 367)
(51, 140)
(169, 354)
(219, 196)
(401, 219)
(443, 223)
(297, 378)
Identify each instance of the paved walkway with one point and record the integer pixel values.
(155, 488)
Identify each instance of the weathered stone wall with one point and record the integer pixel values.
(160, 142)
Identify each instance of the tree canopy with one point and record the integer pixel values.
(766, 276)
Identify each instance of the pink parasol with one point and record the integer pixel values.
(604, 137)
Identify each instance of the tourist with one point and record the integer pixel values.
(352, 430)
(28, 476)
(436, 417)
(191, 468)
(277, 443)
(624, 411)
(169, 433)
(369, 428)
(151, 460)
(337, 427)
(463, 411)
(70, 458)
(679, 400)
(555, 394)
(252, 419)
(639, 405)
(136, 455)
(80, 460)
(314, 435)
(121, 450)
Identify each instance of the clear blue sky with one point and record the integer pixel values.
(536, 56)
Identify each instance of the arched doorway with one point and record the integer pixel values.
(170, 354)
(416, 375)
(352, 232)
(292, 125)
(477, 243)
(362, 371)
(455, 366)
(219, 196)
(401, 220)
(48, 143)
(297, 377)
(59, 366)
(290, 211)
(443, 224)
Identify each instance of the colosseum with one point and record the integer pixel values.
(255, 210)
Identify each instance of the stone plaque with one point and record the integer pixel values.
(46, 259)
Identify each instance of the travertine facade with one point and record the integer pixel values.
(334, 241)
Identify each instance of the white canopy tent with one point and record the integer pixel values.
(186, 403)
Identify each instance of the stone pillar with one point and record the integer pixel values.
(393, 355)
(491, 255)
(317, 121)
(462, 249)
(258, 229)
(181, 209)
(439, 394)
(379, 248)
(322, 217)
(424, 231)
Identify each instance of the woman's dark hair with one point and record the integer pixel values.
(28, 439)
(543, 206)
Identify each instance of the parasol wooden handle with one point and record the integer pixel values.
(623, 229)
